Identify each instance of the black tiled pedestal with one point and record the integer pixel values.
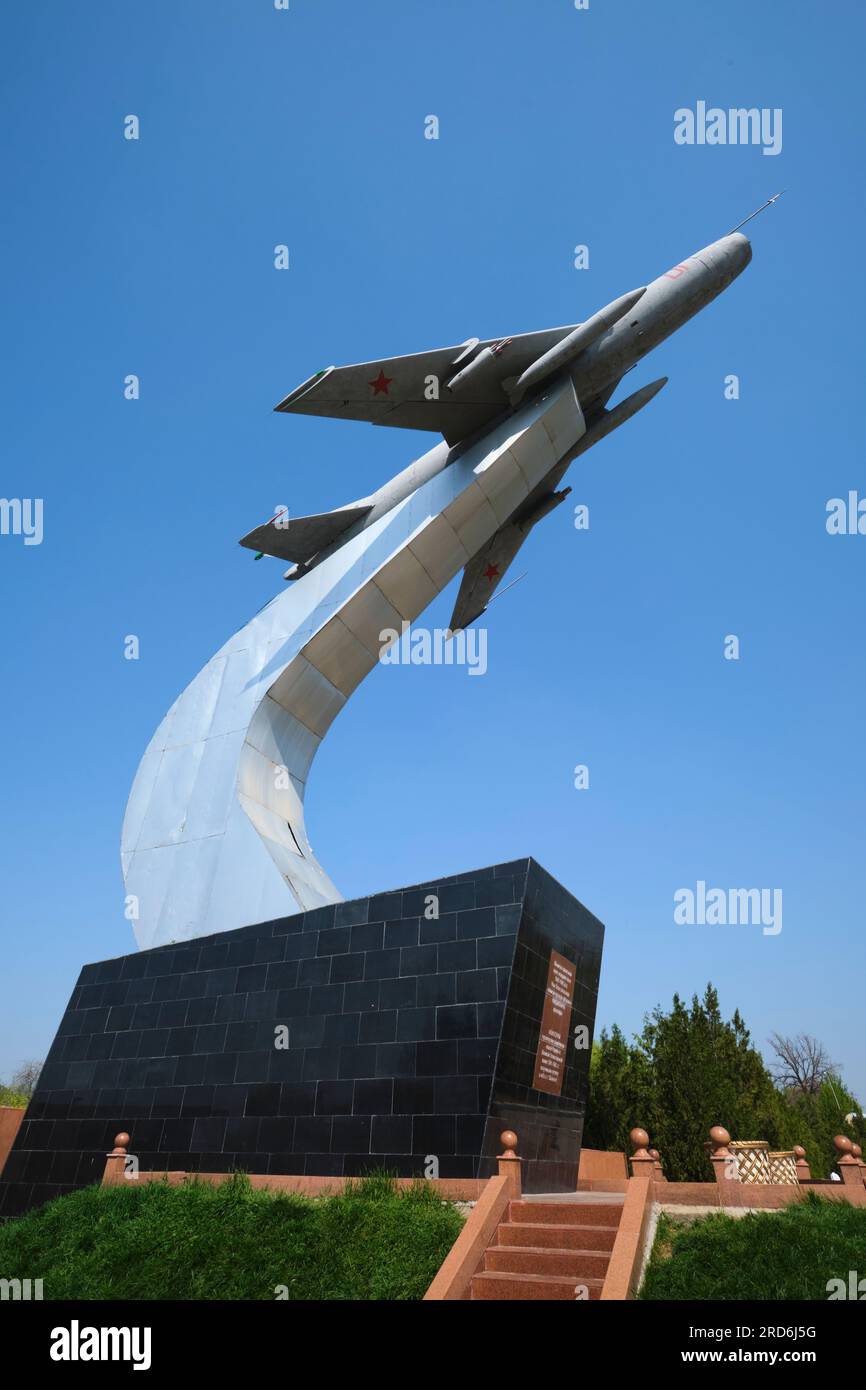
(366, 1034)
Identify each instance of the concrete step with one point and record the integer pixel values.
(578, 1265)
(551, 1235)
(566, 1213)
(490, 1285)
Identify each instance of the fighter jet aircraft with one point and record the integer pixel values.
(464, 391)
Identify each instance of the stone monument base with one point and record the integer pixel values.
(402, 1031)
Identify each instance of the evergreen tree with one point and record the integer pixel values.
(690, 1069)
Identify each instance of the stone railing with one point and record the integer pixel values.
(752, 1163)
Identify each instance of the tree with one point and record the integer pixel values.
(619, 1092)
(26, 1078)
(802, 1063)
(817, 1118)
(689, 1069)
(12, 1098)
(705, 1072)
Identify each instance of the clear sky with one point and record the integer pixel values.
(707, 516)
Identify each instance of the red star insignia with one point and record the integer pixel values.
(381, 384)
(491, 572)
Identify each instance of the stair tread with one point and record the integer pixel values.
(548, 1250)
(554, 1225)
(509, 1276)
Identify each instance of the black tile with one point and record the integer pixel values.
(437, 1059)
(434, 1135)
(395, 1059)
(208, 1134)
(438, 929)
(382, 965)
(314, 970)
(334, 942)
(327, 999)
(313, 1132)
(457, 955)
(436, 989)
(343, 1028)
(242, 1135)
(378, 1025)
(416, 1025)
(252, 1067)
(418, 960)
(298, 1098)
(350, 1133)
(358, 1061)
(346, 968)
(457, 1021)
(373, 1097)
(362, 996)
(476, 986)
(263, 1099)
(398, 994)
(334, 1097)
(391, 1134)
(401, 933)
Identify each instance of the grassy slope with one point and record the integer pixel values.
(229, 1242)
(778, 1255)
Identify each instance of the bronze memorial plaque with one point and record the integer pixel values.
(555, 1020)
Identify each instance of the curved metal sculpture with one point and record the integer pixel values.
(221, 785)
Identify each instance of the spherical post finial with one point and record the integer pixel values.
(121, 1143)
(844, 1148)
(719, 1138)
(639, 1140)
(509, 1163)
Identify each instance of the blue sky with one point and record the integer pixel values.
(707, 516)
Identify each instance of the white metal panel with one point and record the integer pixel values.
(439, 550)
(406, 584)
(341, 658)
(279, 736)
(308, 695)
(368, 614)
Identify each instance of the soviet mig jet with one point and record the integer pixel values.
(466, 391)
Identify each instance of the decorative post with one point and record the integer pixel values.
(722, 1159)
(509, 1163)
(115, 1162)
(858, 1154)
(849, 1168)
(804, 1172)
(642, 1162)
(658, 1175)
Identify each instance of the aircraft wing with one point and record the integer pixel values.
(299, 538)
(411, 392)
(483, 574)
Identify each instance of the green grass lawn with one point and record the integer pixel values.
(153, 1241)
(791, 1254)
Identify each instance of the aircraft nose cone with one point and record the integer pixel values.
(728, 256)
(738, 250)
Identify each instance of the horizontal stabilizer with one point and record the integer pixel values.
(299, 538)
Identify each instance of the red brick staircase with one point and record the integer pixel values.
(545, 1249)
